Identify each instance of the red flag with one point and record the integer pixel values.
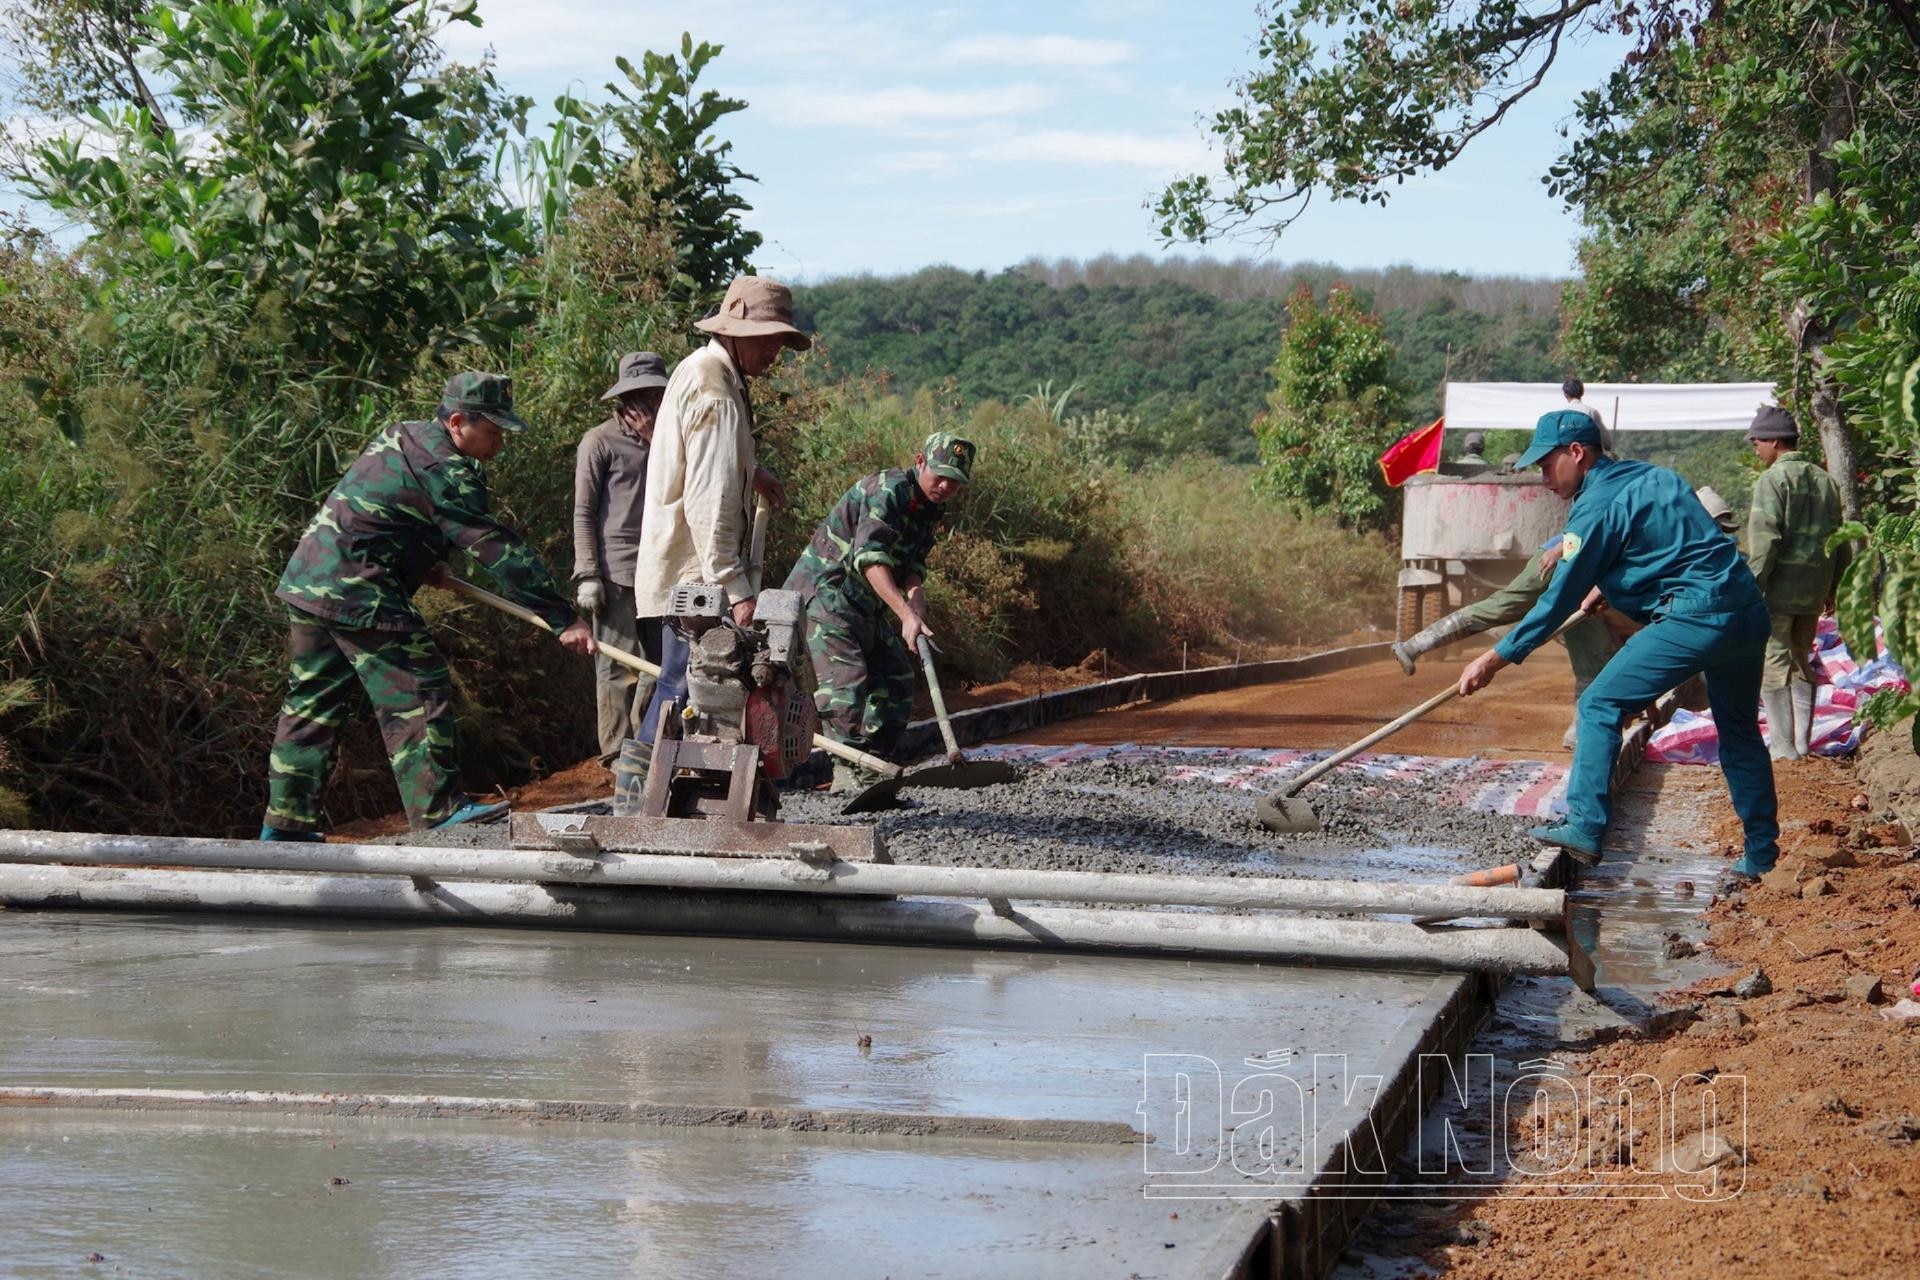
(1413, 453)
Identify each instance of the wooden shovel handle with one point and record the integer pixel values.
(853, 755)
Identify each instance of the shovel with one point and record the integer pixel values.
(638, 663)
(1285, 812)
(959, 772)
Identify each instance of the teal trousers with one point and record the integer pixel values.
(1730, 650)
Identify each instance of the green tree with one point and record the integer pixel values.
(69, 55)
(1715, 128)
(317, 194)
(655, 151)
(1334, 408)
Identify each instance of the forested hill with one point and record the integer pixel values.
(1181, 343)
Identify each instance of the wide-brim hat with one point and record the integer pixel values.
(1560, 427)
(756, 307)
(1717, 507)
(638, 371)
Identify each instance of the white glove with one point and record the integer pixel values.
(589, 596)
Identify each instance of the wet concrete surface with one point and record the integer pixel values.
(223, 1003)
(172, 1197)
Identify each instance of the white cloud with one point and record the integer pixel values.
(915, 162)
(1099, 149)
(1039, 51)
(902, 105)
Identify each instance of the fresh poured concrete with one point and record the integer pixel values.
(186, 1002)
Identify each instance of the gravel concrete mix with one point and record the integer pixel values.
(1131, 817)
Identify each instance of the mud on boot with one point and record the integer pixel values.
(1445, 631)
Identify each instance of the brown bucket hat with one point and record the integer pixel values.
(638, 371)
(756, 307)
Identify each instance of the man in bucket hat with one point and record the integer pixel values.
(1636, 534)
(412, 498)
(1796, 508)
(862, 578)
(702, 472)
(609, 493)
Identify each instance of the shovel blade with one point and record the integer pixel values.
(884, 794)
(1287, 814)
(964, 777)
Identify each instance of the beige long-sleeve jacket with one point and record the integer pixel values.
(698, 517)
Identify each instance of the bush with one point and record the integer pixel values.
(1220, 559)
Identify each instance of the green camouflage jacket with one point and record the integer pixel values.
(883, 519)
(408, 502)
(1796, 507)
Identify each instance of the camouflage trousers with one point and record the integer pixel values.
(407, 680)
(863, 678)
(1789, 650)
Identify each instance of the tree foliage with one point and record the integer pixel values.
(1168, 357)
(1350, 98)
(296, 256)
(310, 187)
(72, 55)
(1334, 408)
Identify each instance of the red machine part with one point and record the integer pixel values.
(780, 720)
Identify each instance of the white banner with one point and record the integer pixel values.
(1626, 406)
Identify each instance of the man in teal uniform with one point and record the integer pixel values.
(412, 498)
(861, 578)
(1636, 536)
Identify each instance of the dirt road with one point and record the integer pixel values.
(1520, 717)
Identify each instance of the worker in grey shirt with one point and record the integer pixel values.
(609, 493)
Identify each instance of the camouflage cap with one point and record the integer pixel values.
(488, 395)
(950, 456)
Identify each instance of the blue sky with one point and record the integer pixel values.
(890, 136)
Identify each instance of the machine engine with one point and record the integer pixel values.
(743, 684)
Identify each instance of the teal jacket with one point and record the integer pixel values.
(1637, 532)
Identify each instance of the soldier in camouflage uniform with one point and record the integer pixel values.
(862, 577)
(413, 498)
(1796, 508)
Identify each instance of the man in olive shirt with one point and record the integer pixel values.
(1796, 508)
(609, 493)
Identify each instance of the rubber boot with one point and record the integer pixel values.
(1802, 697)
(298, 837)
(1779, 709)
(1585, 851)
(630, 777)
(1451, 627)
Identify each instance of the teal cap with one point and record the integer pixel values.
(1560, 427)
